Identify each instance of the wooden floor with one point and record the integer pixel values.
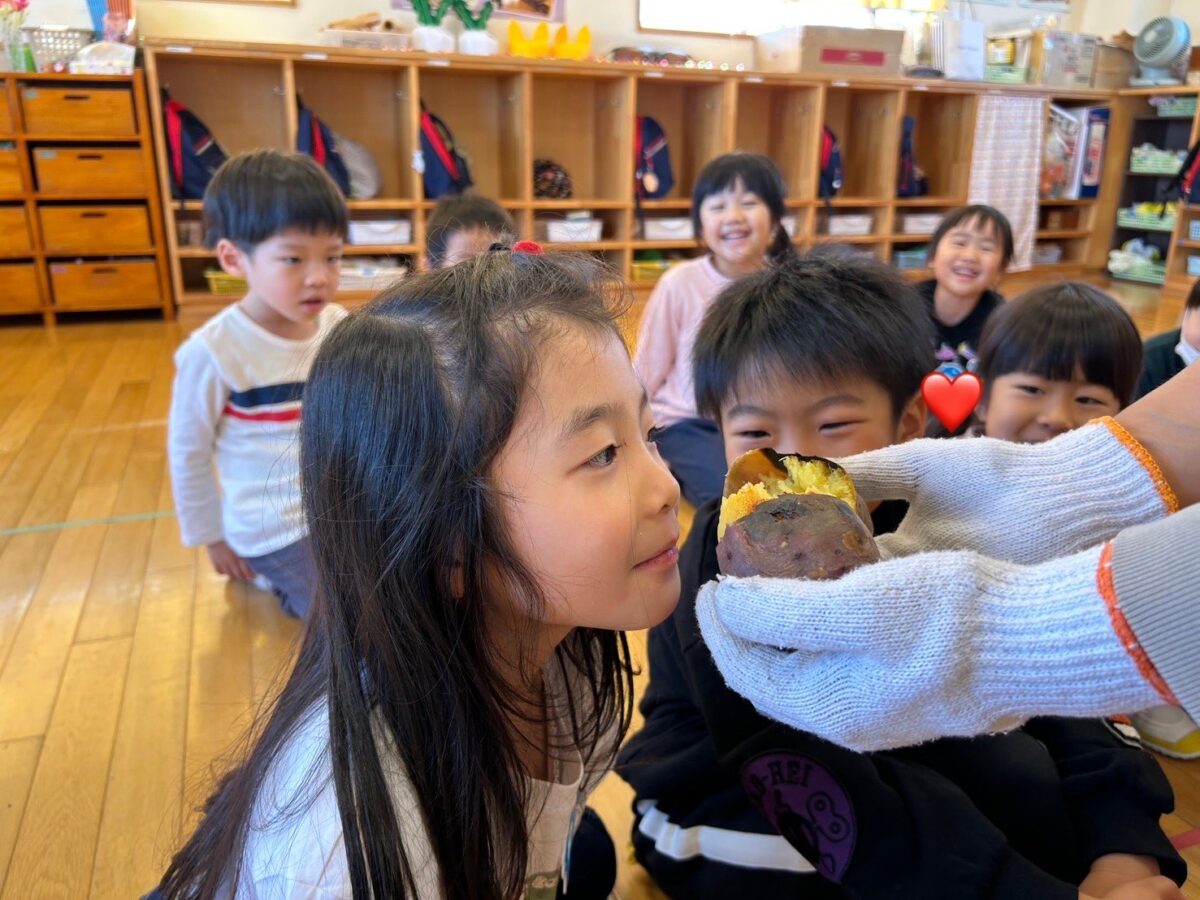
(126, 665)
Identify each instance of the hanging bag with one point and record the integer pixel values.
(193, 153)
(445, 169)
(832, 171)
(316, 139)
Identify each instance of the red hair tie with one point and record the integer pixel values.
(527, 247)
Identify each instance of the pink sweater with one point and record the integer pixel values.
(668, 332)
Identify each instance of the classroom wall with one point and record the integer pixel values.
(1108, 17)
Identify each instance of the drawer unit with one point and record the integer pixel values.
(7, 125)
(10, 172)
(79, 111)
(14, 232)
(95, 229)
(105, 285)
(19, 288)
(115, 172)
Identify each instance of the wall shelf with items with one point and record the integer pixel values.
(505, 113)
(80, 209)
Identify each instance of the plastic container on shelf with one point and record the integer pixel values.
(365, 40)
(850, 224)
(1193, 266)
(669, 228)
(570, 231)
(380, 232)
(920, 223)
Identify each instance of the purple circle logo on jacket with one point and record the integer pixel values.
(803, 802)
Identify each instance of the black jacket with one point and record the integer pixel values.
(1018, 815)
(1160, 362)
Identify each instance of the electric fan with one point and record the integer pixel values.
(1162, 51)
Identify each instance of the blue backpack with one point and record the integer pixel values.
(652, 177)
(911, 181)
(446, 170)
(192, 151)
(316, 139)
(832, 170)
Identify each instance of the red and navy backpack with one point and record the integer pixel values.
(317, 139)
(446, 170)
(832, 171)
(653, 178)
(193, 153)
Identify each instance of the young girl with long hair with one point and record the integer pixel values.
(488, 513)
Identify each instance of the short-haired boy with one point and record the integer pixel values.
(463, 226)
(1169, 353)
(824, 355)
(278, 221)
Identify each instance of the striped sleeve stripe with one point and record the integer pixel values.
(722, 845)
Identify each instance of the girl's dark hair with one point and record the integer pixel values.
(824, 316)
(1061, 329)
(256, 195)
(977, 214)
(464, 212)
(759, 176)
(407, 407)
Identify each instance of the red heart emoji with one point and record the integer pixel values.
(951, 401)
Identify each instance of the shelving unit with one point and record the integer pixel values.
(80, 212)
(505, 113)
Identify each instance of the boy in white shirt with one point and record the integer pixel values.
(278, 221)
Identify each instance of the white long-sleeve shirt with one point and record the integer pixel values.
(237, 399)
(295, 847)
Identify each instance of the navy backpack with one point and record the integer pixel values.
(832, 171)
(446, 170)
(911, 181)
(192, 151)
(652, 177)
(316, 139)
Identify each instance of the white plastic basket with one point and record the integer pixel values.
(851, 225)
(670, 228)
(570, 231)
(365, 40)
(52, 45)
(380, 232)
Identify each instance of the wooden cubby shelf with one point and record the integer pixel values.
(506, 113)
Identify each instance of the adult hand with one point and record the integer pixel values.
(915, 648)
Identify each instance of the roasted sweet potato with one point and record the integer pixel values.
(792, 517)
(797, 536)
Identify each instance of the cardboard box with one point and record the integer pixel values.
(861, 52)
(1114, 67)
(1062, 59)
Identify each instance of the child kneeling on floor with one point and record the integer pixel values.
(825, 356)
(278, 221)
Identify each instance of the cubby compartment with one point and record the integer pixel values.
(19, 291)
(583, 124)
(10, 170)
(242, 101)
(782, 121)
(380, 117)
(943, 134)
(695, 116)
(866, 123)
(486, 112)
(15, 230)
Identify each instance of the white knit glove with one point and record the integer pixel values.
(1021, 502)
(911, 649)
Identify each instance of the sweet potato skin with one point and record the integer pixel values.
(797, 536)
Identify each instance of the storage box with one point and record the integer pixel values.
(917, 258)
(569, 231)
(1062, 58)
(380, 232)
(1193, 266)
(1113, 68)
(670, 228)
(1194, 230)
(863, 52)
(1047, 254)
(850, 225)
(920, 223)
(365, 40)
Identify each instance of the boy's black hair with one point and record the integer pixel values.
(759, 176)
(1056, 330)
(464, 212)
(980, 213)
(1193, 297)
(255, 196)
(820, 317)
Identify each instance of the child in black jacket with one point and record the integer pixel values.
(825, 355)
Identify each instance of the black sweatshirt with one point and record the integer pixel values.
(1019, 815)
(1160, 362)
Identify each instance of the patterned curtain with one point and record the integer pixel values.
(1006, 163)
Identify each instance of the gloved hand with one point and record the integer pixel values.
(920, 647)
(1024, 503)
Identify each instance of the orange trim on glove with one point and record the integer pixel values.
(1142, 455)
(1104, 583)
